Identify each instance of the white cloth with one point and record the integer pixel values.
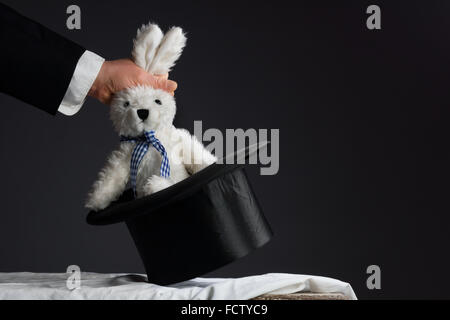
(85, 73)
(33, 286)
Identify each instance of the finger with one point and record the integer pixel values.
(171, 86)
(160, 82)
(108, 101)
(162, 76)
(105, 97)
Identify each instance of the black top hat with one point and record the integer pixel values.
(195, 226)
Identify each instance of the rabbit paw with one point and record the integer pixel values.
(156, 183)
(96, 203)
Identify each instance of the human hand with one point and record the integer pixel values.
(120, 74)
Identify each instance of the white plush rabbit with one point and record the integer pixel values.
(153, 154)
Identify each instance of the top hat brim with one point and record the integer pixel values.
(127, 207)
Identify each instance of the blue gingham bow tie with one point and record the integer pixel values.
(141, 148)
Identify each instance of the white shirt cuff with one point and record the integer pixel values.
(86, 72)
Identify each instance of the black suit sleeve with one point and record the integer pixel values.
(36, 63)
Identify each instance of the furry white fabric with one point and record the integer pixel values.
(140, 109)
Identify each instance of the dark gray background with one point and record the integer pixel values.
(364, 154)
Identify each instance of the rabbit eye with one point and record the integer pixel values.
(157, 101)
(126, 104)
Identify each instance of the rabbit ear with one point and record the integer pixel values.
(169, 51)
(146, 44)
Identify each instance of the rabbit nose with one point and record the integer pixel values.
(142, 114)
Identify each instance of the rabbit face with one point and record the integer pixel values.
(140, 109)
